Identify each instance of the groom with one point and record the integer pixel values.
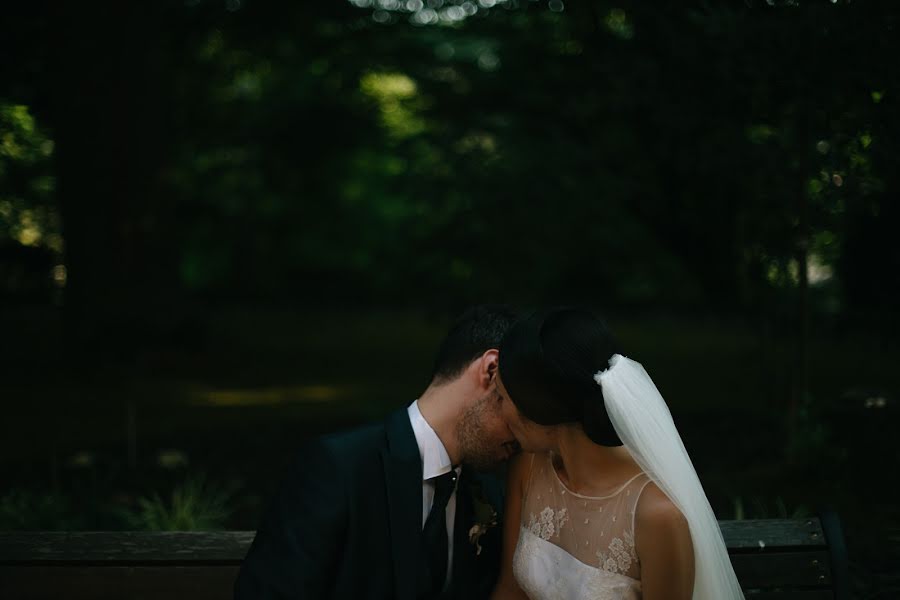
(397, 510)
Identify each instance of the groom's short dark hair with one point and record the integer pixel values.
(474, 332)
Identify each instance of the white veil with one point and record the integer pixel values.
(644, 424)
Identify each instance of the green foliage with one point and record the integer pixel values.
(25, 510)
(20, 138)
(395, 95)
(682, 156)
(28, 214)
(194, 505)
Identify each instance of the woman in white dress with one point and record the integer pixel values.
(604, 503)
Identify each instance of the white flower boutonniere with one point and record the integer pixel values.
(485, 517)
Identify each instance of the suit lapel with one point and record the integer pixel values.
(403, 475)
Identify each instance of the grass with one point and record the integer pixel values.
(194, 505)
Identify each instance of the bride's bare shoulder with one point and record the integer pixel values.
(657, 515)
(664, 547)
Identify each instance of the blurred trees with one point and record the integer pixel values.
(29, 218)
(737, 157)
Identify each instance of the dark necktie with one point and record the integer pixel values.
(435, 531)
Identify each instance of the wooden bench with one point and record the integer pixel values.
(775, 559)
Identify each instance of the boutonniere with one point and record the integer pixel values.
(485, 517)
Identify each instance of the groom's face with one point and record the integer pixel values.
(485, 439)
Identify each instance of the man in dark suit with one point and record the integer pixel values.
(398, 509)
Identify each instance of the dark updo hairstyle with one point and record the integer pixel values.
(547, 365)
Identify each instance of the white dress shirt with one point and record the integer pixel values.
(435, 461)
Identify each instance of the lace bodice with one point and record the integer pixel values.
(576, 547)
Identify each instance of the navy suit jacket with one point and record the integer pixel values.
(347, 523)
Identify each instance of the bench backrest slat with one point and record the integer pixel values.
(793, 595)
(183, 547)
(761, 533)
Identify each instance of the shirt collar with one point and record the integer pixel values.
(435, 460)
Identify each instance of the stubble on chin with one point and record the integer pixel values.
(478, 450)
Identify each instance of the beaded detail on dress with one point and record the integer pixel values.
(575, 547)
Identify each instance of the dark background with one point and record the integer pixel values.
(228, 225)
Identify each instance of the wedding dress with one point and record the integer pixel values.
(576, 547)
(573, 547)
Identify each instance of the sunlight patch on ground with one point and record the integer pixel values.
(271, 396)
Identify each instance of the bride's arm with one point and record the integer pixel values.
(507, 588)
(664, 547)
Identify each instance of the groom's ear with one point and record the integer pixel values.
(488, 367)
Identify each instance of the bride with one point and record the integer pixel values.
(604, 503)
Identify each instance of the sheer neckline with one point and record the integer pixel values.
(616, 492)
